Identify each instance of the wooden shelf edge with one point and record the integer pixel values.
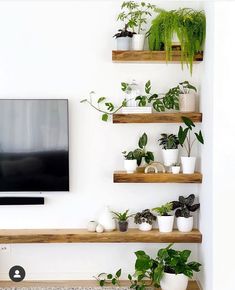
(140, 177)
(196, 117)
(83, 236)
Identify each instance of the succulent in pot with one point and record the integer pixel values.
(184, 206)
(145, 220)
(170, 151)
(122, 219)
(186, 141)
(165, 219)
(123, 37)
(187, 97)
(175, 168)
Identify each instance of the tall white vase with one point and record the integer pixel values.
(106, 220)
(138, 41)
(188, 164)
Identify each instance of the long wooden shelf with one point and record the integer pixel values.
(72, 284)
(140, 177)
(156, 118)
(83, 236)
(148, 56)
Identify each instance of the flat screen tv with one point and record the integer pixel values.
(34, 145)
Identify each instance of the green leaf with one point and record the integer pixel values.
(114, 281)
(148, 87)
(109, 106)
(200, 137)
(101, 99)
(129, 277)
(182, 134)
(188, 122)
(124, 86)
(101, 282)
(144, 140)
(158, 106)
(109, 276)
(185, 255)
(118, 273)
(105, 117)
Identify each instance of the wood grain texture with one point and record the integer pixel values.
(83, 236)
(148, 56)
(139, 177)
(75, 283)
(156, 118)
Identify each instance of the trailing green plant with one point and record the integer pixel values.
(169, 141)
(185, 138)
(188, 24)
(107, 279)
(124, 33)
(122, 217)
(164, 210)
(144, 217)
(185, 87)
(140, 153)
(135, 14)
(184, 206)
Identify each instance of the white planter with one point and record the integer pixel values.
(185, 224)
(165, 223)
(124, 43)
(138, 41)
(188, 164)
(174, 282)
(91, 226)
(106, 220)
(187, 102)
(130, 165)
(175, 169)
(170, 156)
(145, 227)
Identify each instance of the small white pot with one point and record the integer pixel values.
(145, 227)
(91, 226)
(138, 41)
(130, 165)
(187, 102)
(123, 43)
(165, 223)
(188, 164)
(170, 156)
(174, 282)
(185, 224)
(175, 169)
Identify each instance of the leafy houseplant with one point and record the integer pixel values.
(107, 279)
(175, 168)
(183, 208)
(145, 220)
(169, 143)
(165, 219)
(123, 37)
(185, 140)
(188, 24)
(122, 219)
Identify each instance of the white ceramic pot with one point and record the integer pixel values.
(99, 228)
(187, 102)
(188, 164)
(170, 156)
(124, 43)
(130, 165)
(106, 220)
(174, 282)
(145, 227)
(165, 223)
(138, 41)
(175, 169)
(91, 226)
(185, 224)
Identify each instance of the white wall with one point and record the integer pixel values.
(53, 49)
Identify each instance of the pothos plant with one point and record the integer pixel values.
(140, 153)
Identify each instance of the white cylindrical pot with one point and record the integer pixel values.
(174, 282)
(91, 226)
(188, 164)
(185, 224)
(165, 223)
(106, 220)
(123, 43)
(138, 41)
(130, 165)
(145, 227)
(170, 156)
(187, 102)
(175, 169)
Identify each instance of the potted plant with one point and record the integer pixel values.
(144, 220)
(183, 208)
(185, 140)
(130, 162)
(135, 15)
(187, 97)
(122, 219)
(175, 168)
(123, 37)
(169, 143)
(165, 219)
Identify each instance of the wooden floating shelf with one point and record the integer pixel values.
(149, 56)
(140, 177)
(156, 118)
(83, 236)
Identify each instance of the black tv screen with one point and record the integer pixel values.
(34, 145)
